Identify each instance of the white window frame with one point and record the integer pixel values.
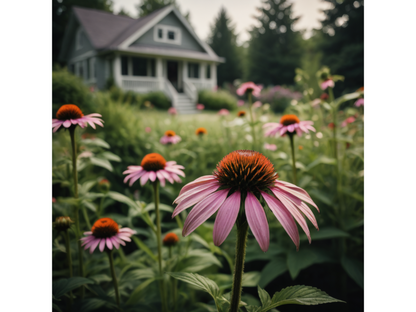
(78, 44)
(165, 29)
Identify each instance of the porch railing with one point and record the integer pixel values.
(140, 84)
(190, 91)
(171, 92)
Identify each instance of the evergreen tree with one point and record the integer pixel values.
(61, 10)
(275, 48)
(224, 43)
(342, 42)
(124, 13)
(145, 7)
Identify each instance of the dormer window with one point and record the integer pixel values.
(167, 34)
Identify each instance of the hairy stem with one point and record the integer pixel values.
(113, 275)
(69, 259)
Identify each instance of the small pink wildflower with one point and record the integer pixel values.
(200, 106)
(359, 102)
(223, 112)
(347, 121)
(170, 137)
(270, 147)
(172, 111)
(240, 103)
(249, 87)
(288, 124)
(148, 129)
(257, 104)
(327, 83)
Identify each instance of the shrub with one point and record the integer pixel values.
(279, 97)
(69, 89)
(157, 98)
(217, 100)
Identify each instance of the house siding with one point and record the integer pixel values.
(86, 46)
(188, 42)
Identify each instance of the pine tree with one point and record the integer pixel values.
(145, 7)
(342, 42)
(223, 41)
(275, 48)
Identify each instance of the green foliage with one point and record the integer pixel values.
(65, 285)
(157, 99)
(69, 89)
(222, 40)
(217, 100)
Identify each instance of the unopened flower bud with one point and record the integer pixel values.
(62, 223)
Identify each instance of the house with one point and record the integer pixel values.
(159, 51)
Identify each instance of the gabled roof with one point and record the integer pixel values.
(110, 32)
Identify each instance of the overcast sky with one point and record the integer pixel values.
(203, 13)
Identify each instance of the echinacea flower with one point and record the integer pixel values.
(240, 103)
(288, 124)
(270, 147)
(172, 111)
(170, 239)
(200, 106)
(70, 114)
(152, 167)
(223, 112)
(106, 232)
(241, 114)
(327, 83)
(201, 131)
(359, 102)
(170, 137)
(347, 121)
(248, 87)
(245, 177)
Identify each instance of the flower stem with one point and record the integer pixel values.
(69, 259)
(113, 275)
(77, 230)
(240, 253)
(250, 104)
(293, 157)
(159, 244)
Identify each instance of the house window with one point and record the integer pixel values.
(193, 70)
(208, 71)
(78, 39)
(124, 65)
(167, 34)
(139, 66)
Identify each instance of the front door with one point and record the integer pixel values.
(173, 73)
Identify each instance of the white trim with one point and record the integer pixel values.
(165, 29)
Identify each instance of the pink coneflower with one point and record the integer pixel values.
(170, 137)
(70, 114)
(249, 87)
(327, 83)
(152, 167)
(172, 111)
(106, 232)
(200, 106)
(359, 102)
(270, 147)
(347, 121)
(201, 131)
(148, 129)
(223, 112)
(240, 103)
(288, 124)
(257, 104)
(245, 176)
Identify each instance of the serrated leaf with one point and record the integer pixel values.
(355, 269)
(264, 297)
(273, 269)
(251, 279)
(64, 285)
(100, 162)
(198, 281)
(123, 199)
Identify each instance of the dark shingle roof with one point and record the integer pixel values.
(105, 29)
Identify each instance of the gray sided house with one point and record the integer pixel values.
(159, 51)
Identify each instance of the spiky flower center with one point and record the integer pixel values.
(241, 113)
(104, 228)
(201, 131)
(69, 111)
(289, 120)
(153, 162)
(170, 239)
(245, 170)
(170, 133)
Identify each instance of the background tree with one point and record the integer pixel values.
(145, 7)
(61, 10)
(342, 42)
(275, 48)
(223, 41)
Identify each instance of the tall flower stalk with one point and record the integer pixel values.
(253, 131)
(113, 276)
(293, 156)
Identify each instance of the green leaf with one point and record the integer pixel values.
(321, 196)
(197, 260)
(95, 142)
(326, 233)
(86, 186)
(62, 286)
(264, 297)
(306, 256)
(123, 199)
(92, 304)
(162, 207)
(321, 160)
(110, 156)
(56, 307)
(198, 281)
(346, 97)
(251, 279)
(355, 270)
(99, 278)
(273, 269)
(143, 247)
(100, 162)
(135, 295)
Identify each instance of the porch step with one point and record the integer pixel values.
(185, 105)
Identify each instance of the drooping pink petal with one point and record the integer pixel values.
(197, 182)
(175, 177)
(226, 217)
(297, 191)
(161, 178)
(67, 123)
(88, 233)
(94, 245)
(115, 242)
(102, 244)
(291, 128)
(134, 177)
(144, 178)
(256, 218)
(283, 216)
(173, 170)
(127, 230)
(124, 237)
(196, 190)
(283, 130)
(166, 175)
(109, 243)
(203, 210)
(152, 176)
(188, 202)
(57, 127)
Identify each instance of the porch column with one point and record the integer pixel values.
(203, 74)
(117, 70)
(185, 71)
(159, 72)
(213, 75)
